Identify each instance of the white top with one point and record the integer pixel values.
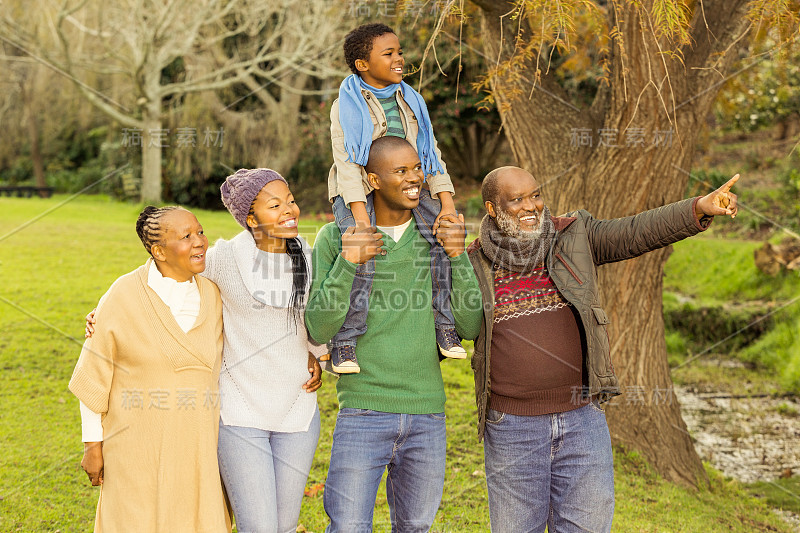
(395, 232)
(183, 299)
(265, 354)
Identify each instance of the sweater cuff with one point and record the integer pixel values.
(461, 266)
(703, 222)
(93, 395)
(342, 268)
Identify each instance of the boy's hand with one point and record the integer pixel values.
(361, 243)
(720, 202)
(437, 222)
(451, 234)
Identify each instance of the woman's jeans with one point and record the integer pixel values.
(355, 322)
(555, 470)
(265, 474)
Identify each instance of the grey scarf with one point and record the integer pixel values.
(517, 255)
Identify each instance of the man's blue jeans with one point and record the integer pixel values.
(555, 470)
(365, 443)
(355, 322)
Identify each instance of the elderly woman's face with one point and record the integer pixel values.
(182, 251)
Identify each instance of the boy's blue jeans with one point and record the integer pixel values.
(355, 323)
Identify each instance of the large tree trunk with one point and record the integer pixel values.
(27, 90)
(152, 140)
(544, 133)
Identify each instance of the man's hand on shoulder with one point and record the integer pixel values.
(720, 202)
(451, 234)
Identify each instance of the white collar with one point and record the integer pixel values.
(171, 291)
(396, 232)
(155, 278)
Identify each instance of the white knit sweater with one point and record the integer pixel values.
(265, 355)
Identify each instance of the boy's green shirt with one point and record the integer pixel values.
(398, 355)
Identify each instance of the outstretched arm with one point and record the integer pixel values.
(465, 296)
(623, 238)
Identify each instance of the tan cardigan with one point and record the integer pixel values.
(349, 180)
(157, 389)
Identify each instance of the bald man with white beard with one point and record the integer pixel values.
(542, 359)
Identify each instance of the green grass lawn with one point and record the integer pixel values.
(53, 272)
(711, 275)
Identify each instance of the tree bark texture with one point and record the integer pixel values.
(27, 91)
(152, 140)
(648, 95)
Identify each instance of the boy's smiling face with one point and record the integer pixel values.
(385, 64)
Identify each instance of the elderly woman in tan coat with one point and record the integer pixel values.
(150, 372)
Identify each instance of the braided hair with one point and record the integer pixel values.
(299, 278)
(148, 225)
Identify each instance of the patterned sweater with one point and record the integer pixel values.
(534, 376)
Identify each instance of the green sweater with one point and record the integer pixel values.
(398, 356)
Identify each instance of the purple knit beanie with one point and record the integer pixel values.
(242, 187)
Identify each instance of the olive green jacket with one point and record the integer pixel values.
(580, 245)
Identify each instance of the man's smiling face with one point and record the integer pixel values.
(397, 175)
(518, 206)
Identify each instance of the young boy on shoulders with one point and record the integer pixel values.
(375, 102)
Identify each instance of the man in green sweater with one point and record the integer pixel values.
(391, 414)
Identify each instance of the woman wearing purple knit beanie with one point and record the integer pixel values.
(269, 420)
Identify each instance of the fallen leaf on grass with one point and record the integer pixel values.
(314, 490)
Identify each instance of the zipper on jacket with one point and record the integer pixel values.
(558, 256)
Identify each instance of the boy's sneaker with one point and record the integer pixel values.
(450, 344)
(343, 359)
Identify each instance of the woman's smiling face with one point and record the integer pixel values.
(274, 216)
